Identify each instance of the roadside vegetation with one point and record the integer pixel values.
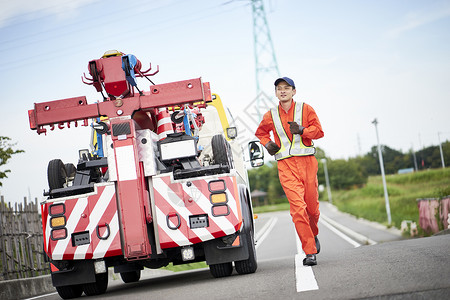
(404, 190)
(368, 201)
(357, 188)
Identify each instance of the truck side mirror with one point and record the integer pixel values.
(256, 154)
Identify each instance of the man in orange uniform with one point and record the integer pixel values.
(294, 126)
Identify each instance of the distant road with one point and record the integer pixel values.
(404, 269)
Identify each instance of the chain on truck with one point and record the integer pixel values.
(165, 181)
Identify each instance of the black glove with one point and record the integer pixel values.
(295, 128)
(272, 148)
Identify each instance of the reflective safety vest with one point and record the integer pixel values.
(288, 148)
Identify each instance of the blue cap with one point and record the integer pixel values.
(287, 80)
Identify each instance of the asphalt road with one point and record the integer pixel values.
(396, 269)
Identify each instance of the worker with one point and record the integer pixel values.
(294, 125)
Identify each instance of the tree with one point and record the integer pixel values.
(346, 174)
(6, 152)
(393, 160)
(266, 179)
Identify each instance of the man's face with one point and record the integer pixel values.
(284, 91)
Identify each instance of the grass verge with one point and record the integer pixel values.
(368, 202)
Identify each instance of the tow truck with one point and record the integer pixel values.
(164, 181)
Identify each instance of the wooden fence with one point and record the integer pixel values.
(21, 241)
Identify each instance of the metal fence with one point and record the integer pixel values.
(21, 241)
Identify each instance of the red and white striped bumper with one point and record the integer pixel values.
(183, 204)
(92, 217)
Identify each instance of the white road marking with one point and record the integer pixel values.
(267, 228)
(41, 296)
(304, 275)
(340, 234)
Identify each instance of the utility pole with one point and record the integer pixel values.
(327, 181)
(415, 160)
(380, 156)
(266, 66)
(442, 152)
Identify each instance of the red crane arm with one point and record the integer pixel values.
(74, 109)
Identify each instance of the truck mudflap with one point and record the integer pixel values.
(195, 210)
(82, 227)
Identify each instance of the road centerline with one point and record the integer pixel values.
(305, 280)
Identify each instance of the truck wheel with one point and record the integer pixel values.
(221, 270)
(69, 291)
(56, 174)
(249, 265)
(221, 151)
(132, 276)
(98, 287)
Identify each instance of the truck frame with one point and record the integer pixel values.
(164, 182)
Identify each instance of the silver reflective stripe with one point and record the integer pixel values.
(303, 151)
(284, 140)
(296, 148)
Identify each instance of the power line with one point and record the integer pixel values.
(77, 28)
(61, 52)
(46, 10)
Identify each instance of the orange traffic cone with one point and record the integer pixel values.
(164, 123)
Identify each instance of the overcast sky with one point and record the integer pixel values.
(353, 61)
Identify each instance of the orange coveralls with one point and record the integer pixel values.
(298, 174)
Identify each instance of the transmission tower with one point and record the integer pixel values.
(266, 71)
(266, 66)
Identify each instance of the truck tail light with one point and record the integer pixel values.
(216, 186)
(220, 210)
(218, 198)
(57, 209)
(59, 234)
(58, 221)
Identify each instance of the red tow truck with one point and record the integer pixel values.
(164, 183)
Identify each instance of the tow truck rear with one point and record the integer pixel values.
(164, 183)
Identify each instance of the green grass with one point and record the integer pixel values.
(368, 202)
(270, 208)
(191, 266)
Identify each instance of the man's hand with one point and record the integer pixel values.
(272, 148)
(295, 128)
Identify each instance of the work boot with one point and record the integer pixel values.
(317, 244)
(310, 260)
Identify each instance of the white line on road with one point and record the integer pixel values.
(42, 296)
(362, 240)
(338, 233)
(305, 280)
(264, 232)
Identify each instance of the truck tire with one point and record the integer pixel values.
(98, 287)
(221, 270)
(56, 174)
(69, 291)
(249, 265)
(221, 151)
(132, 276)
